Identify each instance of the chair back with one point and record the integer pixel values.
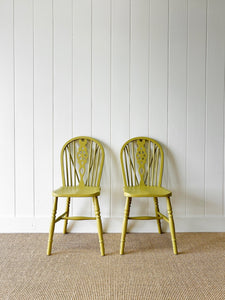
(82, 161)
(142, 162)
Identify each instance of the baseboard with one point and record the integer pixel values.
(111, 225)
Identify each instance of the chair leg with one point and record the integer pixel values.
(172, 227)
(67, 214)
(156, 213)
(99, 225)
(125, 221)
(52, 227)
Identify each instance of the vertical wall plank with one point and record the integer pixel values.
(62, 85)
(82, 67)
(24, 106)
(196, 107)
(139, 50)
(139, 79)
(158, 69)
(177, 103)
(62, 80)
(6, 108)
(43, 106)
(101, 89)
(214, 107)
(82, 74)
(158, 77)
(119, 98)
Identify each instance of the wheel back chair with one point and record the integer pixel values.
(82, 161)
(142, 170)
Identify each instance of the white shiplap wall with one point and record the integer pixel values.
(112, 69)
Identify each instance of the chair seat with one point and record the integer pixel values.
(146, 191)
(76, 191)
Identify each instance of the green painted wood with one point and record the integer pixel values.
(142, 161)
(82, 160)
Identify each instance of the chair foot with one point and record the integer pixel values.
(102, 248)
(49, 250)
(175, 250)
(122, 244)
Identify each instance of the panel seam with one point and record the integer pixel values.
(53, 94)
(205, 123)
(34, 198)
(14, 111)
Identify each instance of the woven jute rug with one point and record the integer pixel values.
(147, 270)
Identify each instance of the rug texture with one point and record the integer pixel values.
(147, 270)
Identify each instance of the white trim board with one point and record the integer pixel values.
(111, 225)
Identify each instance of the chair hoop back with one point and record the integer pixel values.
(82, 161)
(142, 162)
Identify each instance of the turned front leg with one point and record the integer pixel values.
(172, 227)
(125, 221)
(52, 227)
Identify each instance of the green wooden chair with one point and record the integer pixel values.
(82, 161)
(142, 170)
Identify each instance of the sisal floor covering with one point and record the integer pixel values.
(148, 270)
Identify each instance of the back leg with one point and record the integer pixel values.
(157, 214)
(67, 214)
